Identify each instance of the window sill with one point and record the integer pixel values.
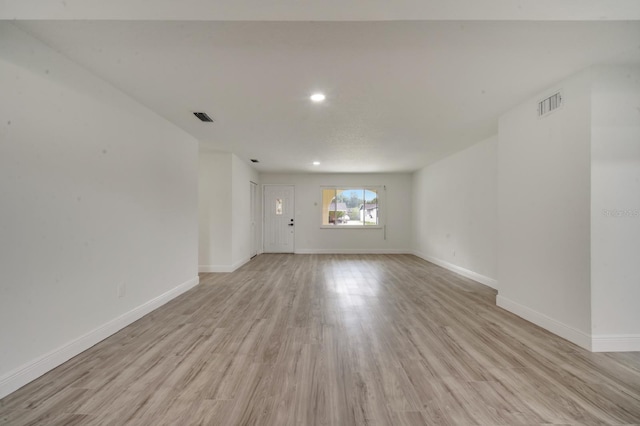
(351, 226)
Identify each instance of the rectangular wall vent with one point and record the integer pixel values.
(549, 104)
(203, 117)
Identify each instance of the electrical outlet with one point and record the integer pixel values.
(121, 290)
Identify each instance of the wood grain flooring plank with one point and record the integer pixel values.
(333, 340)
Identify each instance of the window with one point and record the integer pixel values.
(350, 207)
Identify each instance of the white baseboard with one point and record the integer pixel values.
(214, 268)
(615, 343)
(489, 282)
(565, 331)
(222, 268)
(240, 263)
(30, 371)
(352, 251)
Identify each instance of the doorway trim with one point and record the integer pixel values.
(256, 248)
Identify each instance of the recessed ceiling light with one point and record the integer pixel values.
(318, 97)
(316, 163)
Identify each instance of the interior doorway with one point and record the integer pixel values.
(255, 217)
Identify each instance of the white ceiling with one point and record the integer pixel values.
(400, 94)
(321, 10)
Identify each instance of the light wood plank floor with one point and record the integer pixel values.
(333, 340)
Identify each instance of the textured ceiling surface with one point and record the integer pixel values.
(400, 94)
(325, 10)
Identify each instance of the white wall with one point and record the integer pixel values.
(96, 192)
(615, 207)
(310, 238)
(544, 212)
(455, 217)
(214, 211)
(224, 211)
(242, 175)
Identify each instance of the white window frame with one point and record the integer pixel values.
(379, 189)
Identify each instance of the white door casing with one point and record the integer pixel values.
(278, 213)
(254, 217)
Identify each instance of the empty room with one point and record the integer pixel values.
(319, 213)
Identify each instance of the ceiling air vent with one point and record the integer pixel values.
(550, 104)
(203, 117)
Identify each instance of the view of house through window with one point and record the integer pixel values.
(350, 206)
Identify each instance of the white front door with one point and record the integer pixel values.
(279, 226)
